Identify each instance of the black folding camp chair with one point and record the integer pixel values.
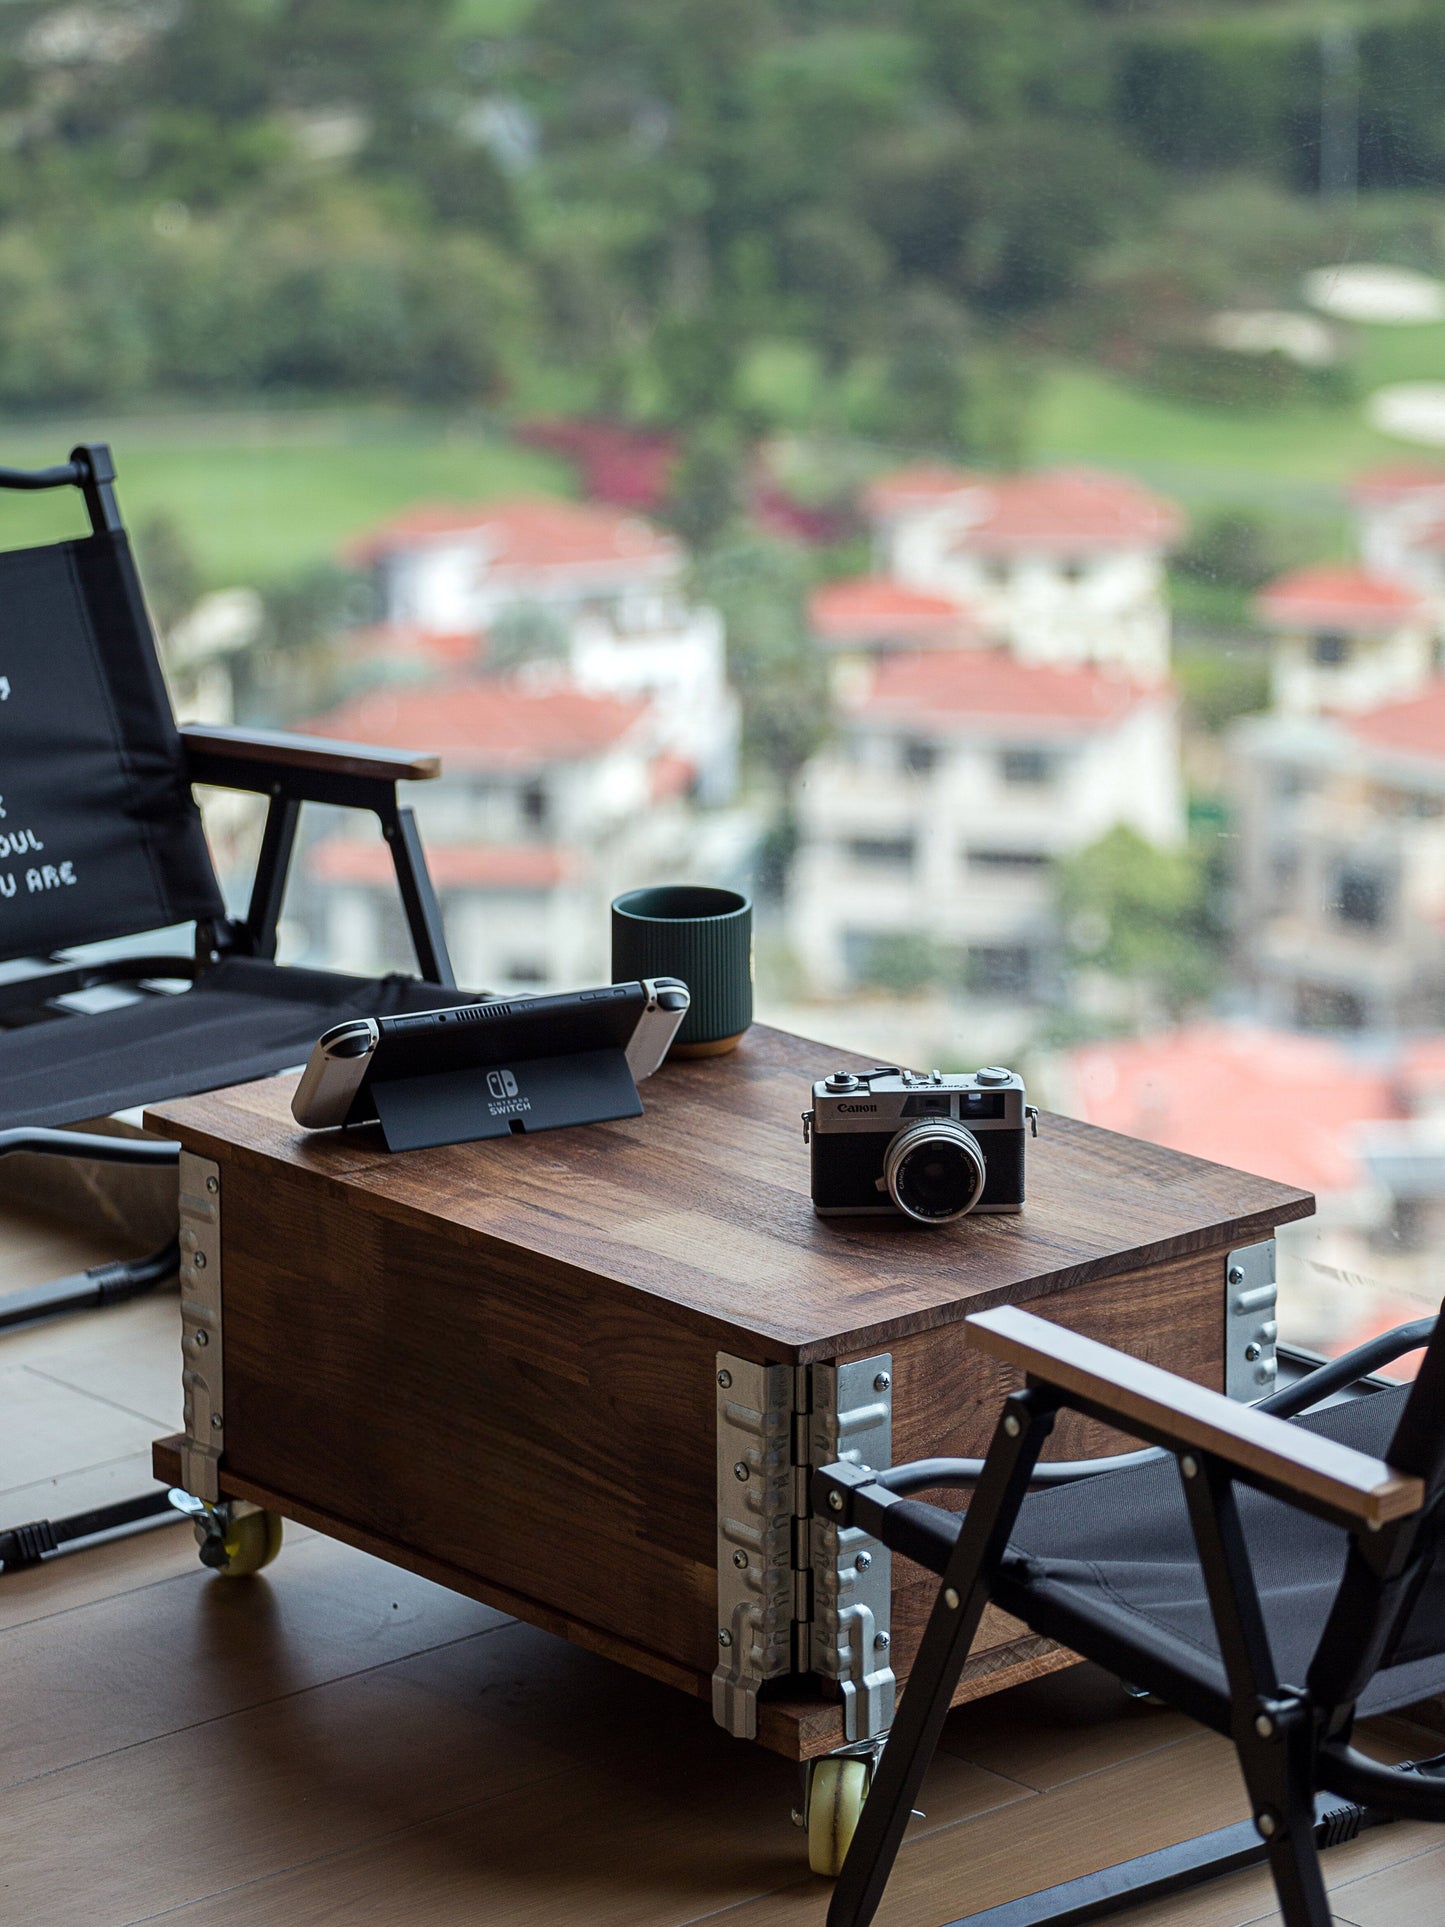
(1276, 1581)
(100, 839)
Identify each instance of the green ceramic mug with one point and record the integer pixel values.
(702, 935)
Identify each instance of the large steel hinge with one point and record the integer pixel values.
(852, 1594)
(202, 1349)
(796, 1595)
(1251, 1329)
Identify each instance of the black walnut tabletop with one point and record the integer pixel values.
(703, 1204)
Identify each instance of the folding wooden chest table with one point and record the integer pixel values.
(583, 1376)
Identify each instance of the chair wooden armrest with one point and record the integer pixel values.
(1175, 1412)
(233, 757)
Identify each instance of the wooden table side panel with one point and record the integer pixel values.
(550, 1438)
(947, 1394)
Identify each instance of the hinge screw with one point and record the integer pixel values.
(1252, 1352)
(724, 1637)
(1264, 1726)
(882, 1641)
(199, 1261)
(203, 1338)
(740, 1470)
(835, 1501)
(1236, 1274)
(740, 1559)
(724, 1379)
(1012, 1426)
(1189, 1466)
(216, 1421)
(213, 1185)
(863, 1561)
(882, 1382)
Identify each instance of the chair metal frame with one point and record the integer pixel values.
(289, 770)
(1308, 1786)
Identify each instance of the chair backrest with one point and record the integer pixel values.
(99, 834)
(1418, 1446)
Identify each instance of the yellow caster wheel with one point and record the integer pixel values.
(837, 1790)
(249, 1543)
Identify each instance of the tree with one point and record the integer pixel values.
(707, 485)
(169, 569)
(1143, 916)
(925, 384)
(760, 589)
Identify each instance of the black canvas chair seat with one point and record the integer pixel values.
(1121, 1547)
(1276, 1577)
(246, 1018)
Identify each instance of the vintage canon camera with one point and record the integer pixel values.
(930, 1146)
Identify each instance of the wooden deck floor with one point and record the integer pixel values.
(337, 1742)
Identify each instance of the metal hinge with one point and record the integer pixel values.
(852, 1593)
(794, 1593)
(754, 1536)
(202, 1349)
(1251, 1330)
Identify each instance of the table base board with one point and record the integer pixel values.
(802, 1728)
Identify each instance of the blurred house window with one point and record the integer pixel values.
(1022, 860)
(534, 805)
(1005, 969)
(919, 758)
(1331, 647)
(1361, 898)
(1026, 766)
(1328, 1007)
(886, 851)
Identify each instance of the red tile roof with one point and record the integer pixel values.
(1340, 596)
(1058, 510)
(956, 689)
(1414, 726)
(409, 642)
(920, 485)
(528, 533)
(453, 866)
(1273, 1102)
(873, 608)
(487, 722)
(1073, 509)
(1392, 481)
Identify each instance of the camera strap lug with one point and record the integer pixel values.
(807, 1127)
(1031, 1112)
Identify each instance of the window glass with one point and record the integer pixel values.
(690, 422)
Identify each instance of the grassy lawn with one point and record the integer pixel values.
(262, 497)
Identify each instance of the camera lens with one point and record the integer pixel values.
(934, 1170)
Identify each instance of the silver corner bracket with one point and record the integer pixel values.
(201, 1344)
(852, 1420)
(1251, 1329)
(754, 1536)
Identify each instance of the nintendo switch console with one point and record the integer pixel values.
(485, 1069)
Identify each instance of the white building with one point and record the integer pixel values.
(957, 778)
(610, 582)
(1346, 638)
(1062, 566)
(1341, 886)
(452, 569)
(551, 802)
(1401, 522)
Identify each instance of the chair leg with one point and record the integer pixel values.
(1278, 1779)
(27, 1545)
(1025, 1424)
(109, 1284)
